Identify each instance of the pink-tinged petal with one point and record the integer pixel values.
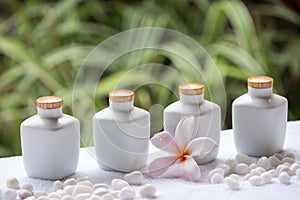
(201, 146)
(190, 169)
(184, 132)
(166, 142)
(160, 165)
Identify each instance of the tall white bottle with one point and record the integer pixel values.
(121, 133)
(207, 115)
(259, 119)
(50, 141)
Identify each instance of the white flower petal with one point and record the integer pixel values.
(166, 142)
(201, 146)
(184, 132)
(160, 165)
(190, 169)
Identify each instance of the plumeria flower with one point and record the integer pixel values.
(181, 149)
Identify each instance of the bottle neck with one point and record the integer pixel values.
(49, 113)
(261, 92)
(121, 106)
(191, 99)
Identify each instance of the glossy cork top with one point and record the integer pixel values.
(120, 96)
(191, 88)
(260, 82)
(49, 102)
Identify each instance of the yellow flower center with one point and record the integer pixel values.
(184, 155)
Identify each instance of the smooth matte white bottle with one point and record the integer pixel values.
(259, 119)
(207, 115)
(50, 141)
(121, 133)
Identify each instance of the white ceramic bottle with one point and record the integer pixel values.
(50, 141)
(259, 119)
(121, 133)
(207, 115)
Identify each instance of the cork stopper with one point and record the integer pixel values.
(49, 102)
(120, 96)
(260, 82)
(191, 88)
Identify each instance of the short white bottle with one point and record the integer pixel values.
(121, 133)
(207, 115)
(50, 141)
(259, 119)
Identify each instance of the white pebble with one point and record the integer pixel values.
(30, 198)
(232, 163)
(148, 191)
(260, 169)
(235, 176)
(294, 167)
(86, 183)
(217, 179)
(43, 198)
(12, 183)
(287, 164)
(82, 196)
(288, 160)
(279, 156)
(100, 191)
(256, 180)
(127, 193)
(54, 195)
(67, 197)
(115, 194)
(118, 184)
(242, 158)
(290, 155)
(69, 189)
(216, 171)
(134, 178)
(284, 178)
(274, 161)
(255, 172)
(28, 187)
(61, 192)
(81, 189)
(266, 177)
(264, 162)
(298, 173)
(9, 194)
(284, 168)
(94, 197)
(232, 183)
(273, 173)
(84, 178)
(107, 197)
(225, 167)
(252, 166)
(247, 176)
(38, 194)
(70, 181)
(57, 185)
(99, 185)
(242, 169)
(23, 194)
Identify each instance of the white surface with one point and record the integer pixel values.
(177, 188)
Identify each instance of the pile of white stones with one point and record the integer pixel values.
(83, 188)
(234, 171)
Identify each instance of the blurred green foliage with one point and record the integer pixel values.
(43, 43)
